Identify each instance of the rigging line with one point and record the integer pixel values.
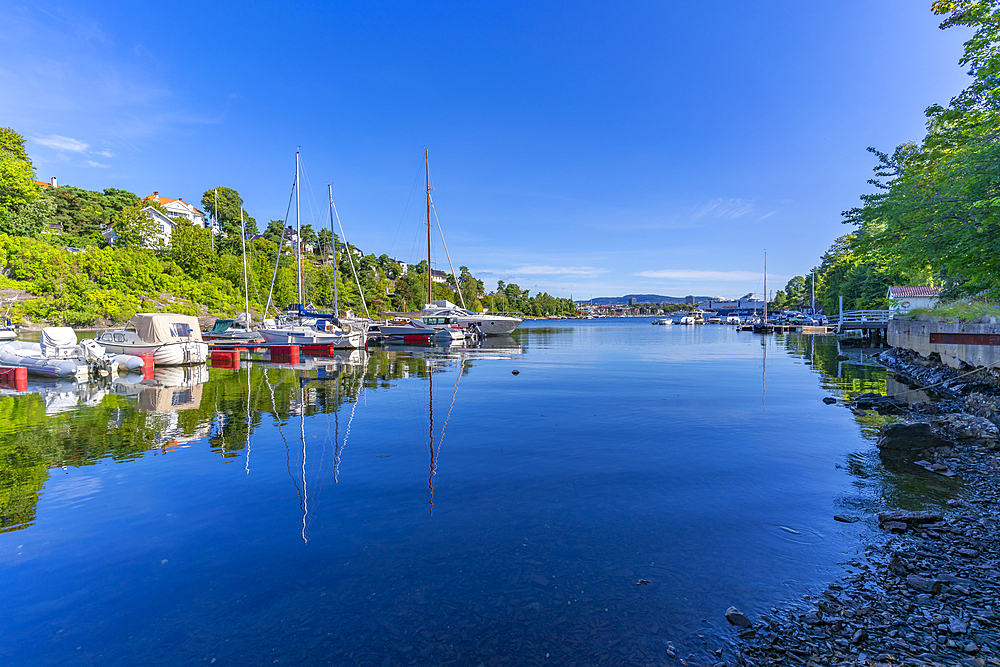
(248, 420)
(302, 435)
(347, 433)
(450, 407)
(277, 419)
(310, 197)
(322, 448)
(336, 431)
(277, 254)
(405, 209)
(350, 258)
(458, 287)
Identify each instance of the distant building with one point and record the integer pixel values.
(403, 266)
(632, 301)
(906, 298)
(177, 208)
(164, 224)
(292, 239)
(689, 299)
(439, 276)
(45, 186)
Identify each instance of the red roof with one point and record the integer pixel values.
(907, 291)
(163, 201)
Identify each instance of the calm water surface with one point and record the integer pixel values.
(428, 506)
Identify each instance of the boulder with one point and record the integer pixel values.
(737, 617)
(911, 438)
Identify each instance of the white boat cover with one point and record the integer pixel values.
(56, 337)
(166, 327)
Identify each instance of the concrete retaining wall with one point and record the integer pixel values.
(915, 335)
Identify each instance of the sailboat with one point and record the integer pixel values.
(302, 327)
(240, 329)
(438, 327)
(762, 326)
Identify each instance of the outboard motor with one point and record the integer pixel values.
(99, 363)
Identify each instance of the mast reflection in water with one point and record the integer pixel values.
(620, 452)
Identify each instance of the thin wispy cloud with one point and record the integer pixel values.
(91, 163)
(684, 274)
(61, 143)
(105, 153)
(725, 209)
(545, 270)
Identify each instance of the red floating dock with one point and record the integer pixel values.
(285, 354)
(14, 377)
(226, 359)
(318, 350)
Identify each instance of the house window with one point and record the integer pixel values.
(162, 229)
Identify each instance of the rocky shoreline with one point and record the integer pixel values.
(928, 591)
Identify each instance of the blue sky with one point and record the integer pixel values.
(585, 148)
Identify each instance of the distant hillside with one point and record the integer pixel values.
(639, 298)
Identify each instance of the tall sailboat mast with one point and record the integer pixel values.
(336, 311)
(246, 281)
(427, 167)
(765, 287)
(298, 231)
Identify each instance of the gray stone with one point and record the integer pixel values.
(910, 438)
(846, 518)
(737, 617)
(923, 584)
(957, 627)
(909, 517)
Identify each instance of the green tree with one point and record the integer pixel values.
(12, 144)
(275, 231)
(135, 228)
(308, 235)
(25, 219)
(228, 214)
(17, 182)
(191, 249)
(325, 241)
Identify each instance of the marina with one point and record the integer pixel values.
(379, 476)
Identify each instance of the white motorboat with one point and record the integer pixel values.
(172, 339)
(491, 324)
(232, 331)
(407, 331)
(59, 355)
(665, 320)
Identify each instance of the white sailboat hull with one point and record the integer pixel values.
(309, 336)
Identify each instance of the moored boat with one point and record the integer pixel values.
(170, 338)
(59, 355)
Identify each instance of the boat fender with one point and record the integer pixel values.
(128, 362)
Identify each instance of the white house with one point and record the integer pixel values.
(164, 225)
(439, 276)
(403, 266)
(292, 240)
(178, 208)
(906, 298)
